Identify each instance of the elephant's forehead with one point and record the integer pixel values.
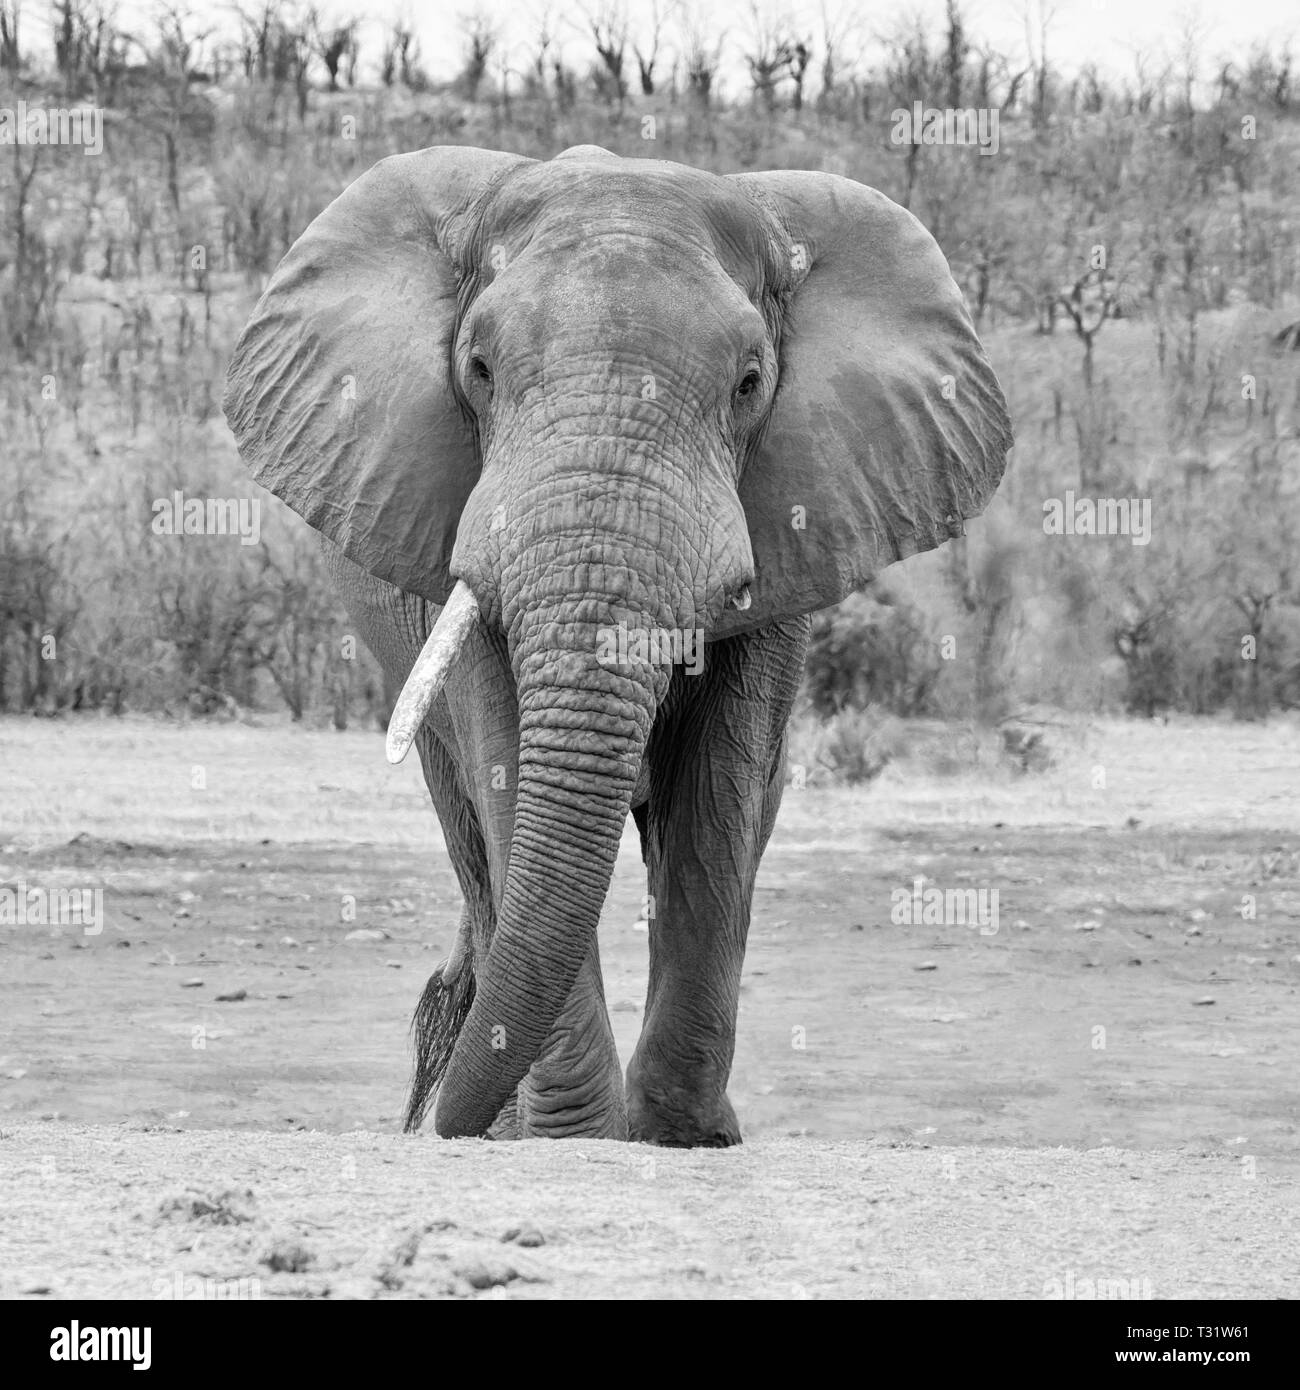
(570, 201)
(588, 291)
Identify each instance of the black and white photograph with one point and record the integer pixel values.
(649, 651)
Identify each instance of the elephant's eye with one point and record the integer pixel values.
(480, 370)
(749, 383)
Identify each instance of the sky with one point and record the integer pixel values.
(1107, 32)
(1103, 31)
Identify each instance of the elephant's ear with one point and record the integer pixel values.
(339, 392)
(889, 427)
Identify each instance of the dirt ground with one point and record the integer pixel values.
(1104, 1086)
(130, 1213)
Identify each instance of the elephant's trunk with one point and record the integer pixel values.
(583, 730)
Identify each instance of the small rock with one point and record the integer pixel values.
(926, 965)
(1135, 960)
(195, 983)
(228, 1208)
(528, 1236)
(484, 1274)
(366, 934)
(641, 925)
(393, 964)
(288, 941)
(232, 996)
(626, 1006)
(1204, 999)
(288, 1257)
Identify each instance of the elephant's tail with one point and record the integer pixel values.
(439, 1015)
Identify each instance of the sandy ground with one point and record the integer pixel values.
(174, 1214)
(1101, 1087)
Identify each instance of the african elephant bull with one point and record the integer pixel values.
(595, 409)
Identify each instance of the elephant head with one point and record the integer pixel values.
(592, 391)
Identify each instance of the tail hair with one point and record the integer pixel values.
(438, 1019)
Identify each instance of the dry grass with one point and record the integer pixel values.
(133, 779)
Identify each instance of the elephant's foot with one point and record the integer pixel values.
(558, 1101)
(506, 1124)
(667, 1114)
(565, 1116)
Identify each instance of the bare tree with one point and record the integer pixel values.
(996, 82)
(1147, 89)
(10, 16)
(1039, 16)
(401, 57)
(1267, 78)
(180, 40)
(799, 61)
(480, 39)
(256, 27)
(701, 55)
(335, 45)
(911, 75)
(956, 49)
(771, 55)
(608, 25)
(647, 55)
(1087, 92)
(86, 41)
(543, 38)
(1191, 35)
(834, 38)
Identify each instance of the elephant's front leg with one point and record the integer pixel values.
(717, 774)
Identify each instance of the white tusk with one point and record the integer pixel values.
(741, 600)
(431, 669)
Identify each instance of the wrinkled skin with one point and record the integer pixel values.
(607, 447)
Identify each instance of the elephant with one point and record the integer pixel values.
(587, 439)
